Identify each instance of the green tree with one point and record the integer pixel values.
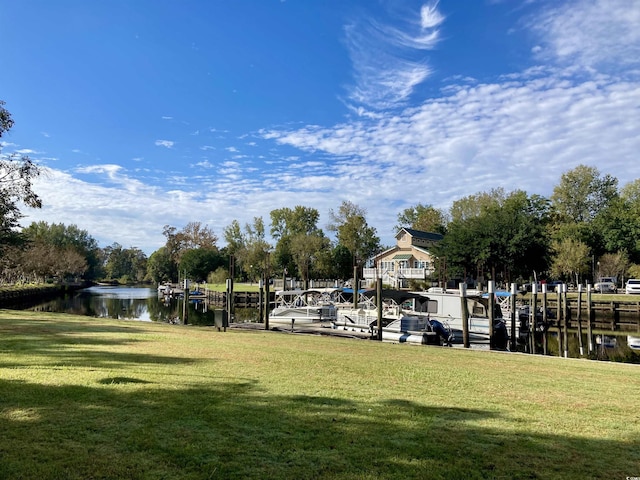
(125, 264)
(193, 235)
(198, 263)
(570, 259)
(473, 205)
(160, 267)
(69, 238)
(306, 249)
(296, 233)
(503, 239)
(249, 247)
(422, 217)
(582, 193)
(17, 174)
(354, 233)
(617, 226)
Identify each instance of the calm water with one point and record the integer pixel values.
(129, 303)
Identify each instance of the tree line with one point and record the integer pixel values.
(588, 227)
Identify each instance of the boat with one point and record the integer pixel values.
(304, 307)
(400, 322)
(633, 342)
(445, 306)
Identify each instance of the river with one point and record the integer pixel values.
(128, 303)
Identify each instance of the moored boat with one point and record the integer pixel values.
(303, 307)
(446, 306)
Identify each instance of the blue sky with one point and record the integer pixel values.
(145, 113)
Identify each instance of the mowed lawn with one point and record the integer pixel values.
(88, 398)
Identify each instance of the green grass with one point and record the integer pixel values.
(238, 287)
(89, 398)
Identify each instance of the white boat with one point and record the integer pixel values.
(633, 342)
(296, 307)
(400, 322)
(446, 306)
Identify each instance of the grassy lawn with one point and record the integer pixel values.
(90, 398)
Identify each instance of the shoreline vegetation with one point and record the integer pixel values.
(98, 398)
(46, 288)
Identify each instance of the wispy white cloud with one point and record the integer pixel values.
(165, 143)
(109, 169)
(590, 33)
(386, 67)
(27, 151)
(481, 137)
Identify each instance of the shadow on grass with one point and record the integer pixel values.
(57, 341)
(122, 428)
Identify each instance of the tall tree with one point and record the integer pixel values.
(249, 247)
(353, 231)
(290, 228)
(198, 263)
(160, 267)
(473, 205)
(503, 240)
(193, 235)
(68, 237)
(582, 193)
(422, 217)
(306, 250)
(125, 264)
(618, 225)
(16, 180)
(570, 258)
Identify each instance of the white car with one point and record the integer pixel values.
(606, 285)
(633, 286)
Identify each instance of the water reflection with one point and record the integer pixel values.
(134, 303)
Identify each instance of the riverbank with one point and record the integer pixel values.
(10, 294)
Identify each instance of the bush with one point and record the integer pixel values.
(219, 276)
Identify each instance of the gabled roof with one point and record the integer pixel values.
(420, 234)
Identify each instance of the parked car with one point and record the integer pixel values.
(552, 285)
(606, 285)
(633, 286)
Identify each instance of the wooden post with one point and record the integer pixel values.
(232, 274)
(465, 315)
(532, 318)
(185, 305)
(514, 314)
(260, 299)
(267, 297)
(579, 315)
(229, 302)
(565, 315)
(379, 297)
(545, 338)
(559, 317)
(590, 318)
(355, 287)
(491, 286)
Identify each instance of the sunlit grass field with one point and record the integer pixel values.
(90, 398)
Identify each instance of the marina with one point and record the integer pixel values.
(566, 324)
